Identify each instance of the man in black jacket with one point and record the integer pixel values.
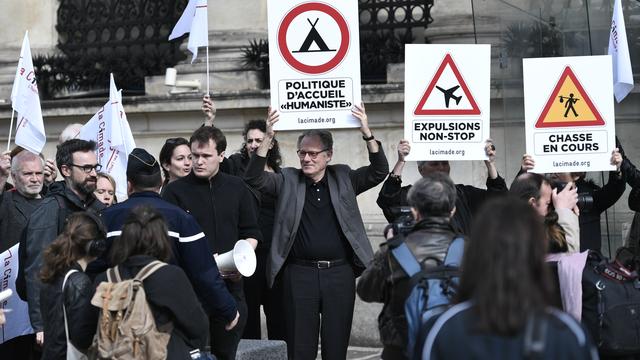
(78, 165)
(319, 242)
(225, 209)
(432, 200)
(16, 205)
(468, 198)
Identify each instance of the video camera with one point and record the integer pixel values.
(585, 199)
(404, 221)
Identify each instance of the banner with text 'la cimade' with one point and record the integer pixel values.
(569, 113)
(314, 61)
(446, 101)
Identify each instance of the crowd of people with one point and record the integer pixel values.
(193, 203)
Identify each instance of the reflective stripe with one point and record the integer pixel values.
(174, 234)
(114, 233)
(431, 338)
(192, 238)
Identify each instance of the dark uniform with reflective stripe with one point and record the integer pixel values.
(190, 250)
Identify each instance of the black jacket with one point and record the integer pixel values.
(384, 280)
(453, 337)
(171, 299)
(44, 225)
(468, 200)
(223, 206)
(15, 210)
(81, 315)
(236, 164)
(630, 173)
(603, 198)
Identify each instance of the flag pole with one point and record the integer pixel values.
(208, 66)
(10, 128)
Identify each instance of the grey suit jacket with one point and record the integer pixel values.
(344, 185)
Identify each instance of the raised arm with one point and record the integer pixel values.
(264, 181)
(366, 177)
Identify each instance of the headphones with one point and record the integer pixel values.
(97, 246)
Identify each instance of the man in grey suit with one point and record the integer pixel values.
(319, 242)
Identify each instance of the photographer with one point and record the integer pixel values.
(432, 200)
(468, 198)
(592, 199)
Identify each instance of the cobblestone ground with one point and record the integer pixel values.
(360, 353)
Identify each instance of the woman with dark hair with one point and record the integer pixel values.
(503, 310)
(65, 295)
(175, 159)
(172, 300)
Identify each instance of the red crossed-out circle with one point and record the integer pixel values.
(313, 69)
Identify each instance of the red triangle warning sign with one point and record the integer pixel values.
(569, 105)
(440, 98)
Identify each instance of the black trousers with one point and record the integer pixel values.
(224, 344)
(22, 347)
(318, 299)
(257, 293)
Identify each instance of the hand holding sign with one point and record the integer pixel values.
(616, 158)
(359, 112)
(403, 149)
(527, 163)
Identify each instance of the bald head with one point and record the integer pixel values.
(72, 131)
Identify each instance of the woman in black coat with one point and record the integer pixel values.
(168, 290)
(66, 258)
(504, 309)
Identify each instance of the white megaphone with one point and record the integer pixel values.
(241, 259)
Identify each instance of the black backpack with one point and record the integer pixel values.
(611, 305)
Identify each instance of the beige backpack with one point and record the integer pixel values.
(126, 326)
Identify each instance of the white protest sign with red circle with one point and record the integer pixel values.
(314, 63)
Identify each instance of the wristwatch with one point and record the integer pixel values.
(368, 138)
(395, 177)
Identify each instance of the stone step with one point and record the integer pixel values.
(261, 350)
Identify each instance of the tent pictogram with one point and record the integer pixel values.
(305, 63)
(448, 93)
(313, 37)
(569, 105)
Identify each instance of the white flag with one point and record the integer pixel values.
(17, 320)
(619, 51)
(24, 99)
(194, 20)
(110, 129)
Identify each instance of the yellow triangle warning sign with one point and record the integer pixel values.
(569, 105)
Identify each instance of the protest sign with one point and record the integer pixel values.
(17, 315)
(446, 106)
(569, 113)
(314, 63)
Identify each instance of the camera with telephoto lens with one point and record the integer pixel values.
(585, 199)
(404, 221)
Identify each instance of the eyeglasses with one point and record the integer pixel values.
(312, 154)
(87, 168)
